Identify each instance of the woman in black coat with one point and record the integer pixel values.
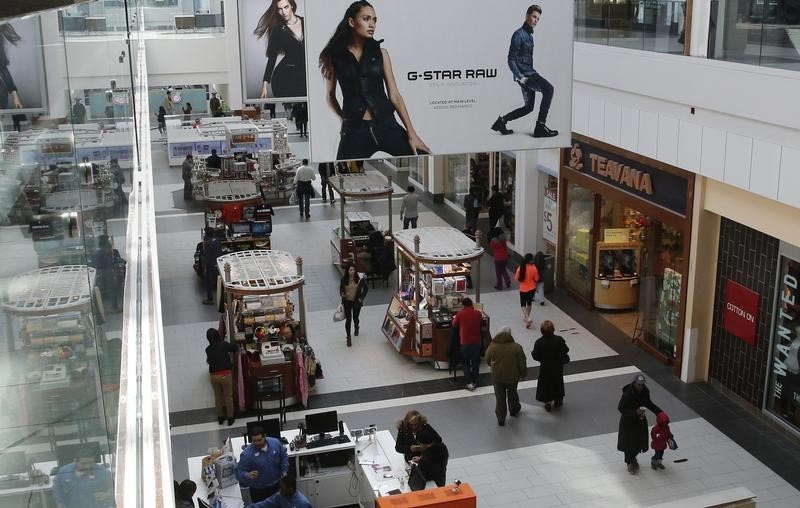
(632, 437)
(550, 351)
(422, 445)
(353, 289)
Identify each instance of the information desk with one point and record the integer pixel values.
(381, 470)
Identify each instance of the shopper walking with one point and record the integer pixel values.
(408, 208)
(287, 496)
(421, 445)
(468, 320)
(527, 275)
(661, 436)
(497, 206)
(472, 209)
(262, 465)
(538, 260)
(186, 173)
(551, 351)
(300, 113)
(632, 436)
(102, 260)
(507, 361)
(187, 112)
(162, 120)
(353, 289)
(212, 249)
(220, 371)
(326, 172)
(302, 181)
(499, 247)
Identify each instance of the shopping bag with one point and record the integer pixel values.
(673, 445)
(293, 198)
(338, 315)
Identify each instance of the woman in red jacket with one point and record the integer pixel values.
(499, 247)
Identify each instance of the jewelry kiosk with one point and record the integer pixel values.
(351, 242)
(261, 320)
(434, 275)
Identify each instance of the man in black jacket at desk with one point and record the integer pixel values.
(213, 161)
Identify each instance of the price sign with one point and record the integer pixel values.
(550, 216)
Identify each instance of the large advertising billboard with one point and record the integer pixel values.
(272, 49)
(22, 81)
(409, 77)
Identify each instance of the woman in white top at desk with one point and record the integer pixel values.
(353, 289)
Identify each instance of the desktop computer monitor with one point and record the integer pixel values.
(240, 228)
(67, 454)
(260, 228)
(320, 423)
(271, 427)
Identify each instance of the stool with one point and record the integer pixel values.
(270, 388)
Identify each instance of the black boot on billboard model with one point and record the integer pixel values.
(499, 125)
(542, 131)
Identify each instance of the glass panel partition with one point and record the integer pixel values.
(758, 32)
(178, 16)
(651, 25)
(65, 178)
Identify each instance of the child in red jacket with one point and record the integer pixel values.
(660, 435)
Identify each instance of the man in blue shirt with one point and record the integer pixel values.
(287, 497)
(262, 465)
(520, 61)
(83, 484)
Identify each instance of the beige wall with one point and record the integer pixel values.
(713, 200)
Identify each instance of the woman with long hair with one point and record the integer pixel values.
(422, 446)
(527, 275)
(7, 86)
(285, 33)
(353, 289)
(355, 61)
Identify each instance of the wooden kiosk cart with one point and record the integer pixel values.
(60, 345)
(435, 266)
(261, 319)
(355, 241)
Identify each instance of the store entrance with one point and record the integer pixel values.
(638, 275)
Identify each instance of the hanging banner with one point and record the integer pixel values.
(404, 77)
(22, 83)
(272, 49)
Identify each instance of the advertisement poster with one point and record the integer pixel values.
(550, 216)
(22, 81)
(272, 49)
(407, 77)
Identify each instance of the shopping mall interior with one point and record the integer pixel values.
(163, 301)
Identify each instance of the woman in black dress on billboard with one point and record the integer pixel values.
(7, 86)
(285, 33)
(362, 68)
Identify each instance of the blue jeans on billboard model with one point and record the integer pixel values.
(471, 361)
(535, 83)
(359, 139)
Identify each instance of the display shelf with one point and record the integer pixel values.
(261, 271)
(228, 191)
(616, 284)
(50, 290)
(361, 185)
(438, 245)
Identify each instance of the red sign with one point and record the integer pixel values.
(740, 312)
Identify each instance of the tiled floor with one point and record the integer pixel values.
(565, 458)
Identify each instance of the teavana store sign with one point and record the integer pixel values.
(783, 335)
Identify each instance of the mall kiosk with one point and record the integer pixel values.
(616, 283)
(359, 238)
(261, 319)
(59, 345)
(435, 267)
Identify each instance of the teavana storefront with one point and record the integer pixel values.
(625, 223)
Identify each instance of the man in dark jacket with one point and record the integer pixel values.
(632, 437)
(214, 161)
(212, 249)
(497, 205)
(550, 350)
(507, 361)
(326, 172)
(186, 174)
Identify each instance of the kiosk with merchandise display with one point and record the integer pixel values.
(434, 275)
(359, 239)
(261, 318)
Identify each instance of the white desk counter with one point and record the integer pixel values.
(382, 468)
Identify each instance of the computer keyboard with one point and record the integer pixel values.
(328, 441)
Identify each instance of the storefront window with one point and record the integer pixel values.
(506, 180)
(783, 398)
(646, 255)
(655, 25)
(757, 32)
(464, 172)
(415, 166)
(578, 240)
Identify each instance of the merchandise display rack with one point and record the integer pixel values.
(229, 191)
(435, 266)
(257, 287)
(51, 290)
(345, 247)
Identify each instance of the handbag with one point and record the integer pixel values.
(672, 444)
(293, 197)
(338, 314)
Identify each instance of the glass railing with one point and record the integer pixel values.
(757, 32)
(651, 25)
(176, 16)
